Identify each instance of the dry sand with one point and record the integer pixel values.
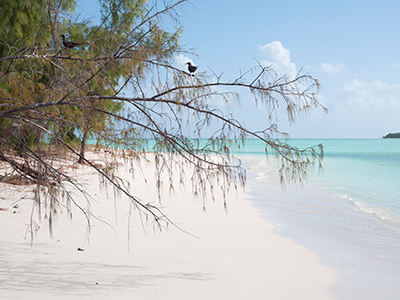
(230, 254)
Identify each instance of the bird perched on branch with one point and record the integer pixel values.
(69, 44)
(191, 68)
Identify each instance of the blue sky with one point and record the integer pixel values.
(352, 47)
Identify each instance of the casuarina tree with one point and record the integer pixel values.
(118, 86)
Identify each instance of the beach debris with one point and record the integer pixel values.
(80, 249)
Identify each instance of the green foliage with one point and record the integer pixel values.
(116, 51)
(392, 136)
(120, 15)
(22, 23)
(61, 97)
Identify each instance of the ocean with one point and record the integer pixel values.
(348, 212)
(365, 172)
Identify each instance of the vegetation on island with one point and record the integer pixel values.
(119, 85)
(392, 136)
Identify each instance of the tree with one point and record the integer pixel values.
(53, 98)
(392, 136)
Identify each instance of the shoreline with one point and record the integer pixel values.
(233, 252)
(362, 247)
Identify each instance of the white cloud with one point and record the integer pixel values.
(332, 68)
(367, 95)
(279, 57)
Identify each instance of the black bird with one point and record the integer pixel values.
(191, 68)
(69, 44)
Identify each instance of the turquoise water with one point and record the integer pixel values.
(365, 172)
(349, 214)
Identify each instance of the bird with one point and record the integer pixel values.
(69, 44)
(191, 68)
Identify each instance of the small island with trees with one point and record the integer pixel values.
(392, 136)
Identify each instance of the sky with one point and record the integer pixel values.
(352, 47)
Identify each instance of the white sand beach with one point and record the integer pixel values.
(229, 254)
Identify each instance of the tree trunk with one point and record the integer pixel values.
(83, 148)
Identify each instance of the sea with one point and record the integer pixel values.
(348, 212)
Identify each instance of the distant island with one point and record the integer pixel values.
(392, 136)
